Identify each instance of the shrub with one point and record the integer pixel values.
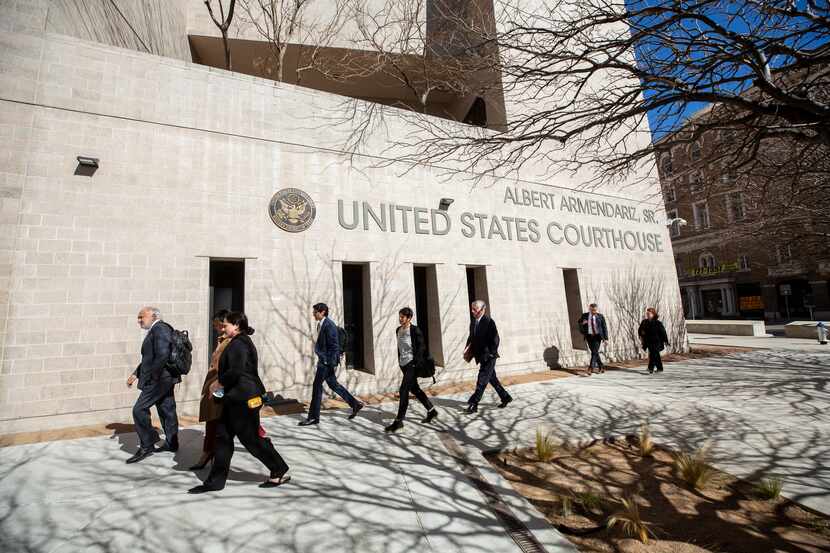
(646, 443)
(544, 446)
(769, 488)
(589, 501)
(693, 468)
(629, 520)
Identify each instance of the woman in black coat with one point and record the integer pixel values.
(653, 335)
(242, 401)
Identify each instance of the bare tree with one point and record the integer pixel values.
(288, 25)
(223, 23)
(581, 78)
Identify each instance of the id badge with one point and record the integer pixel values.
(255, 402)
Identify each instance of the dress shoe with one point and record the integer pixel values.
(275, 481)
(356, 410)
(171, 446)
(140, 455)
(504, 403)
(394, 427)
(430, 416)
(202, 463)
(472, 408)
(308, 422)
(202, 488)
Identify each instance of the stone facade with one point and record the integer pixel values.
(190, 157)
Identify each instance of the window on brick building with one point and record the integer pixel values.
(706, 261)
(783, 253)
(700, 211)
(696, 183)
(735, 206)
(669, 194)
(743, 262)
(675, 228)
(694, 151)
(666, 165)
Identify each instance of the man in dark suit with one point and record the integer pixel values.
(483, 345)
(593, 328)
(156, 385)
(327, 348)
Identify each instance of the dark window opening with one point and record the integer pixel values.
(573, 299)
(357, 318)
(427, 313)
(227, 290)
(477, 287)
(477, 115)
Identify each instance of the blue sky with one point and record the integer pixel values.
(660, 55)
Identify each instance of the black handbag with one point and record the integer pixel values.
(426, 369)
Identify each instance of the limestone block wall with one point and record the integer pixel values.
(190, 157)
(152, 26)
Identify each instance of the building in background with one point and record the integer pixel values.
(729, 264)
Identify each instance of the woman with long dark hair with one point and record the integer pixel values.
(241, 402)
(653, 335)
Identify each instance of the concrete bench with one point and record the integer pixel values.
(802, 329)
(731, 328)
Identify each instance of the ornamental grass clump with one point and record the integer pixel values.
(693, 468)
(589, 501)
(769, 488)
(646, 444)
(628, 519)
(544, 446)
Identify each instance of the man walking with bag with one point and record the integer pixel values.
(156, 384)
(327, 348)
(412, 355)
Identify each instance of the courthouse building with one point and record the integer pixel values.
(135, 170)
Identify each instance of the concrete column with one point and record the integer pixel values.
(769, 293)
(821, 296)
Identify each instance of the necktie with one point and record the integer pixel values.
(475, 329)
(593, 324)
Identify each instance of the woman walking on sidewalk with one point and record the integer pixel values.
(653, 335)
(241, 402)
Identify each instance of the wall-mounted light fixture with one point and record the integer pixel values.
(445, 203)
(675, 224)
(86, 166)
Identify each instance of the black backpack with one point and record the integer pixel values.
(427, 368)
(342, 339)
(180, 353)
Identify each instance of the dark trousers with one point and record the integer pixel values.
(238, 421)
(654, 360)
(409, 384)
(326, 374)
(594, 342)
(487, 375)
(209, 445)
(161, 396)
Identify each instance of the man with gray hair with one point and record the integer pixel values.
(483, 345)
(156, 385)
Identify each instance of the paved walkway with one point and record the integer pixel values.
(761, 342)
(357, 490)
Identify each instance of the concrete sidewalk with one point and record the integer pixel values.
(760, 342)
(358, 490)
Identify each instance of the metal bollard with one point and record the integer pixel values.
(822, 333)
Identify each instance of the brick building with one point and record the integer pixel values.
(727, 268)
